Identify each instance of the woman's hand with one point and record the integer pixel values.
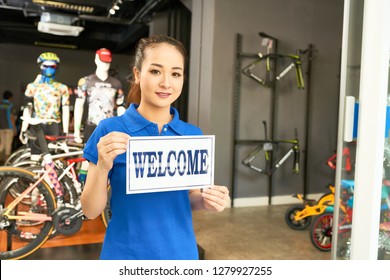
(215, 198)
(109, 147)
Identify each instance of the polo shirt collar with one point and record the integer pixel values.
(135, 122)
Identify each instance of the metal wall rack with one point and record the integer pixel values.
(239, 56)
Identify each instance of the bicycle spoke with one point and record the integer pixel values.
(27, 225)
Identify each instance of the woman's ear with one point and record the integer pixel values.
(136, 75)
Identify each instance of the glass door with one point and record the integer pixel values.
(360, 220)
(384, 220)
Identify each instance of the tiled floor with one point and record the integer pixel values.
(250, 233)
(253, 233)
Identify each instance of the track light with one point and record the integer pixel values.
(115, 7)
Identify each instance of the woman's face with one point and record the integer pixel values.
(161, 77)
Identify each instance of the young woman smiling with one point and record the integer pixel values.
(148, 225)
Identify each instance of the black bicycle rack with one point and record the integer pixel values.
(240, 55)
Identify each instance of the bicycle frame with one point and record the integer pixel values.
(49, 176)
(318, 208)
(24, 215)
(268, 146)
(295, 62)
(346, 158)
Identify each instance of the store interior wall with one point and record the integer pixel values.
(295, 24)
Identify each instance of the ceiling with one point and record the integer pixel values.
(19, 20)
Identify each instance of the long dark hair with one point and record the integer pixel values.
(134, 95)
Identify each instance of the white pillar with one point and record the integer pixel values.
(201, 62)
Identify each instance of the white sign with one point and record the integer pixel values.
(169, 163)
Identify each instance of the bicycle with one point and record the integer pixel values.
(295, 61)
(56, 145)
(31, 208)
(322, 226)
(268, 147)
(347, 163)
(299, 216)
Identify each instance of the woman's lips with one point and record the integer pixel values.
(163, 94)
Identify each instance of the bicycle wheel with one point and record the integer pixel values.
(321, 232)
(23, 155)
(15, 155)
(27, 164)
(106, 215)
(290, 215)
(21, 236)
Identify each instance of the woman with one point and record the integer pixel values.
(151, 225)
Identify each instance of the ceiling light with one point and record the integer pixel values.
(114, 7)
(58, 25)
(66, 6)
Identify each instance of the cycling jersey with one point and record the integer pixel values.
(101, 96)
(48, 99)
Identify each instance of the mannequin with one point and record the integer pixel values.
(104, 95)
(50, 100)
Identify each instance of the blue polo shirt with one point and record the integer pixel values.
(150, 226)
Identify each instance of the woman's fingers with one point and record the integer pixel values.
(216, 197)
(114, 137)
(110, 146)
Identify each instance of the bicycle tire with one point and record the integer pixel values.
(20, 238)
(290, 214)
(321, 231)
(22, 157)
(14, 157)
(27, 164)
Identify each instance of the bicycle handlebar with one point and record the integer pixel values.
(28, 120)
(300, 52)
(35, 121)
(265, 35)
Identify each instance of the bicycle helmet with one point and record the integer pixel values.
(48, 57)
(48, 62)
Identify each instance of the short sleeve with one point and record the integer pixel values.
(29, 90)
(82, 88)
(65, 95)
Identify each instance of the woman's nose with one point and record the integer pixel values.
(164, 81)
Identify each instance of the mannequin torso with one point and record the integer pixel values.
(103, 93)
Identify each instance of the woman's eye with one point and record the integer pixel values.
(154, 71)
(177, 75)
